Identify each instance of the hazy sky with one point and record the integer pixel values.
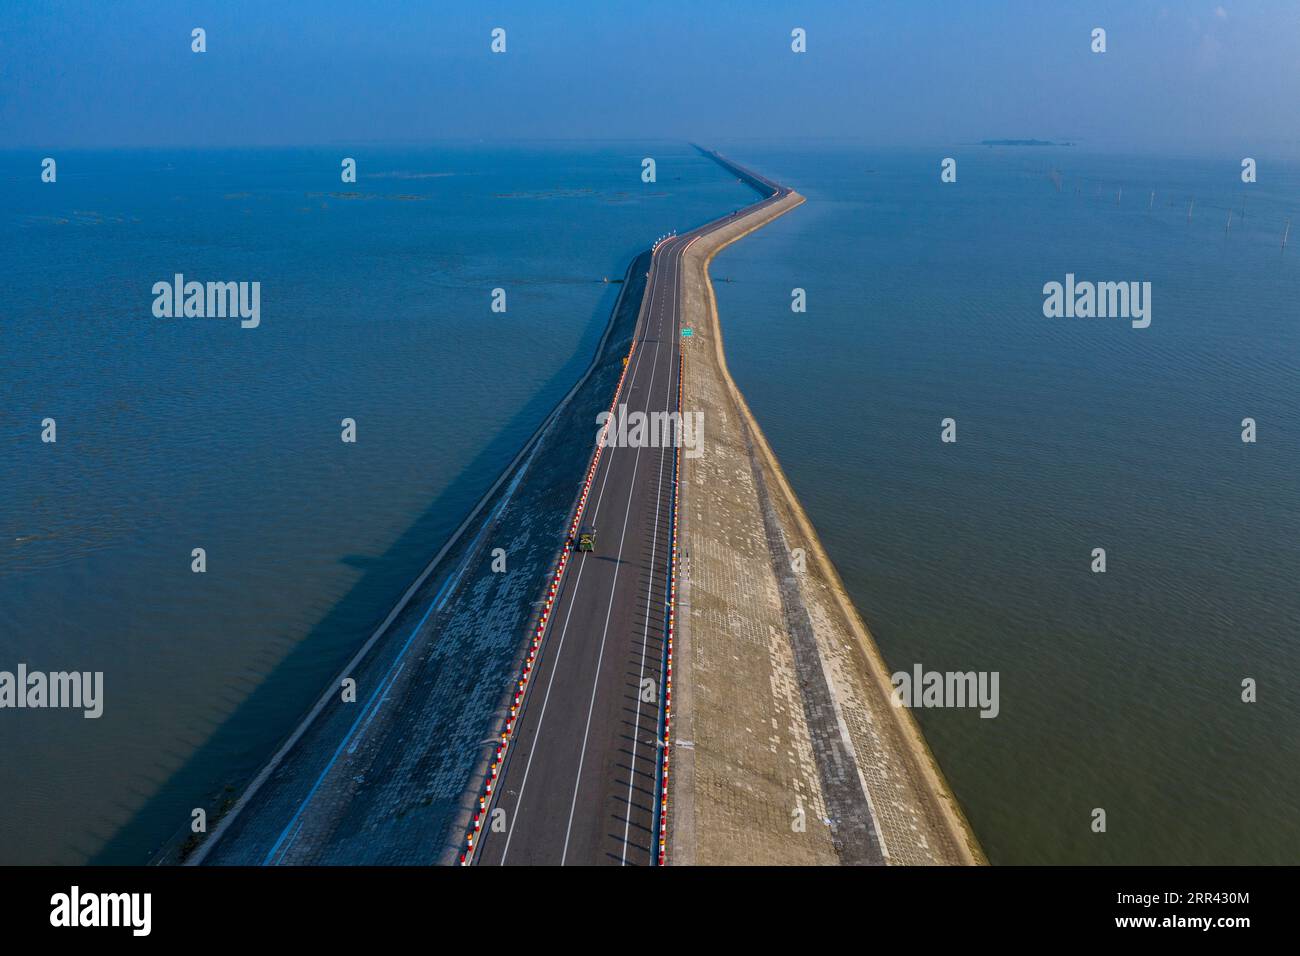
(1180, 75)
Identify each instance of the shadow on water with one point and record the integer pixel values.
(217, 772)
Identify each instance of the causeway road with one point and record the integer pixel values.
(579, 780)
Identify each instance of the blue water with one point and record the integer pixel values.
(175, 434)
(1119, 691)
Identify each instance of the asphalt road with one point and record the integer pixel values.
(579, 780)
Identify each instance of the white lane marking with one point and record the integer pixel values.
(591, 706)
(554, 664)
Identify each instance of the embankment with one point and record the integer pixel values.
(787, 749)
(383, 780)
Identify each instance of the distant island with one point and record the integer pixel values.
(1021, 142)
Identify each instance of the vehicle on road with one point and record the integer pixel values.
(587, 539)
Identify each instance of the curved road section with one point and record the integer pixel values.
(579, 780)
